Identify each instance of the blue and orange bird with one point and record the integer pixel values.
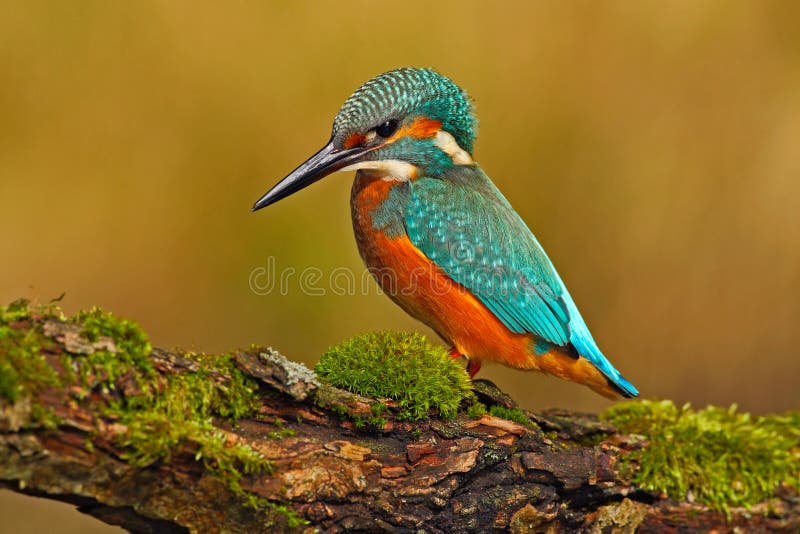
(442, 241)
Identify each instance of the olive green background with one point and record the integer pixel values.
(651, 146)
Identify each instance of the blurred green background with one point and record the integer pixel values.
(651, 146)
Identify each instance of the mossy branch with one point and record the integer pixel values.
(390, 435)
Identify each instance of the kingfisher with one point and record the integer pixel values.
(441, 239)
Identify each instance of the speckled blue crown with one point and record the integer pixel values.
(408, 91)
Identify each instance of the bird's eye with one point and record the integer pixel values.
(387, 128)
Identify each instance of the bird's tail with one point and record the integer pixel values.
(611, 380)
(614, 381)
(581, 339)
(569, 366)
(625, 388)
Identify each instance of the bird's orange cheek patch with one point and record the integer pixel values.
(421, 128)
(354, 139)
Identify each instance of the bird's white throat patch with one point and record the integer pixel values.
(392, 170)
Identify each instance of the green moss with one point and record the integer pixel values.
(132, 352)
(278, 517)
(376, 420)
(174, 413)
(282, 432)
(170, 417)
(722, 457)
(178, 416)
(161, 416)
(476, 411)
(16, 311)
(42, 417)
(338, 409)
(399, 366)
(512, 414)
(23, 370)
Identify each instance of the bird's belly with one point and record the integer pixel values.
(427, 293)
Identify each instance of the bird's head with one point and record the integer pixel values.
(401, 124)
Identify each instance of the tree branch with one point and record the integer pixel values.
(161, 441)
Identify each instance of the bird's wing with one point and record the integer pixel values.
(466, 226)
(473, 234)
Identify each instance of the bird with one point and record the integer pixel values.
(441, 239)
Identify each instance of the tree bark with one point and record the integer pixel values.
(562, 474)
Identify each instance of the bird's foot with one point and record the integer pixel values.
(473, 367)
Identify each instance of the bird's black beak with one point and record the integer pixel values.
(328, 160)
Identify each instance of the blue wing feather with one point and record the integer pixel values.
(467, 227)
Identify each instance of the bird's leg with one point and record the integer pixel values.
(473, 367)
